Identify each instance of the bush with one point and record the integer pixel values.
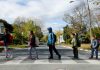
(17, 41)
(68, 41)
(1, 49)
(20, 41)
(18, 46)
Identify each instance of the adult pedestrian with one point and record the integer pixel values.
(94, 47)
(32, 45)
(75, 44)
(51, 43)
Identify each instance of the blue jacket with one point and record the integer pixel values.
(51, 39)
(94, 43)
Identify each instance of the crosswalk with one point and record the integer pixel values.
(21, 57)
(26, 60)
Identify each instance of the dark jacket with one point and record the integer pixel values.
(32, 41)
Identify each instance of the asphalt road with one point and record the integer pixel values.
(20, 61)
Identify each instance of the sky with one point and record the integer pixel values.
(50, 12)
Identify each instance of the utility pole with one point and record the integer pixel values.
(89, 13)
(22, 38)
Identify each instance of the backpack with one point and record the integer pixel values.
(36, 41)
(98, 43)
(78, 42)
(55, 37)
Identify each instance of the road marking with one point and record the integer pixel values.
(16, 60)
(68, 62)
(86, 50)
(81, 49)
(93, 61)
(60, 69)
(46, 61)
(41, 61)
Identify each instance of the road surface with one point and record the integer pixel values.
(20, 61)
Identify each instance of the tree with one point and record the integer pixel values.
(67, 31)
(58, 34)
(84, 20)
(78, 22)
(44, 38)
(23, 26)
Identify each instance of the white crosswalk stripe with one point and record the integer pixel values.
(93, 61)
(22, 57)
(22, 60)
(16, 60)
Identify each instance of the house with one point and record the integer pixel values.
(2, 28)
(4, 25)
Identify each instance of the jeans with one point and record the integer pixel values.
(96, 52)
(6, 51)
(6, 48)
(30, 51)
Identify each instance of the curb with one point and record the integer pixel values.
(79, 49)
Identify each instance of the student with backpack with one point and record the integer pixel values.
(32, 45)
(8, 38)
(75, 44)
(51, 43)
(94, 47)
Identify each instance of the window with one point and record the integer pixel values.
(2, 30)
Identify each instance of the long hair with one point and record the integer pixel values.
(6, 31)
(32, 33)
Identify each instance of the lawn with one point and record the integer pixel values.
(83, 46)
(13, 46)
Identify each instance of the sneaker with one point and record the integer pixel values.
(50, 58)
(96, 57)
(90, 57)
(75, 58)
(36, 58)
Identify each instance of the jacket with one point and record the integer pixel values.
(50, 39)
(74, 43)
(94, 43)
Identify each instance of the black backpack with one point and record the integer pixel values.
(78, 42)
(55, 37)
(98, 43)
